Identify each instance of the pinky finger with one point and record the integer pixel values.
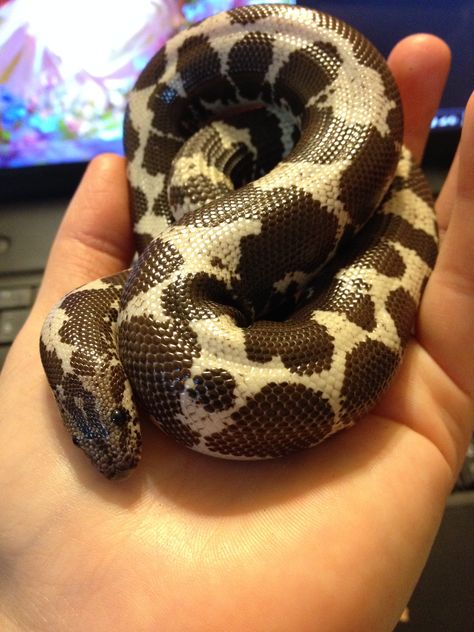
(447, 314)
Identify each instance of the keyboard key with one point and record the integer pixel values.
(15, 297)
(5, 244)
(11, 322)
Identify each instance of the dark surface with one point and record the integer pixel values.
(443, 600)
(46, 182)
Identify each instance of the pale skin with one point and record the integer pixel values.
(332, 539)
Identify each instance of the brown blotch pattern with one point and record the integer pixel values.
(201, 296)
(304, 348)
(250, 15)
(281, 418)
(402, 308)
(139, 203)
(367, 55)
(88, 311)
(368, 368)
(299, 238)
(214, 390)
(52, 364)
(384, 258)
(398, 229)
(199, 190)
(157, 357)
(321, 123)
(169, 110)
(374, 167)
(248, 63)
(297, 80)
(152, 73)
(131, 139)
(159, 262)
(265, 135)
(117, 382)
(199, 66)
(159, 153)
(357, 306)
(418, 183)
(197, 60)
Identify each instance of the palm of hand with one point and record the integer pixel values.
(332, 538)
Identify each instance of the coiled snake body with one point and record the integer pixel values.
(283, 249)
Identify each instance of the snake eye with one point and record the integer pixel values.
(76, 441)
(119, 416)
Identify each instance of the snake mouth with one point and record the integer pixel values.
(116, 467)
(115, 462)
(119, 474)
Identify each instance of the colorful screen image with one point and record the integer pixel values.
(65, 73)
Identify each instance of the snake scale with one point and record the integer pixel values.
(284, 238)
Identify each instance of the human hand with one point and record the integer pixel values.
(333, 538)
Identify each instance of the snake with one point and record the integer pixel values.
(284, 236)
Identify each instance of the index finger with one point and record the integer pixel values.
(420, 64)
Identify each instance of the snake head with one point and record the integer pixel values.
(111, 439)
(107, 430)
(78, 351)
(98, 410)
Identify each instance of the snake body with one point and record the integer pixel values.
(284, 236)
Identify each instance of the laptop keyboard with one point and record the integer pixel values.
(17, 294)
(27, 230)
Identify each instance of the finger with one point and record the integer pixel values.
(448, 307)
(420, 64)
(445, 201)
(94, 238)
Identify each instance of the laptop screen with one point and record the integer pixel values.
(65, 73)
(385, 22)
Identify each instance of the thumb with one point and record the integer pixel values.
(94, 239)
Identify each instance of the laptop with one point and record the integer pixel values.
(62, 102)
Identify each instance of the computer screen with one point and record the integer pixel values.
(65, 69)
(65, 74)
(385, 22)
